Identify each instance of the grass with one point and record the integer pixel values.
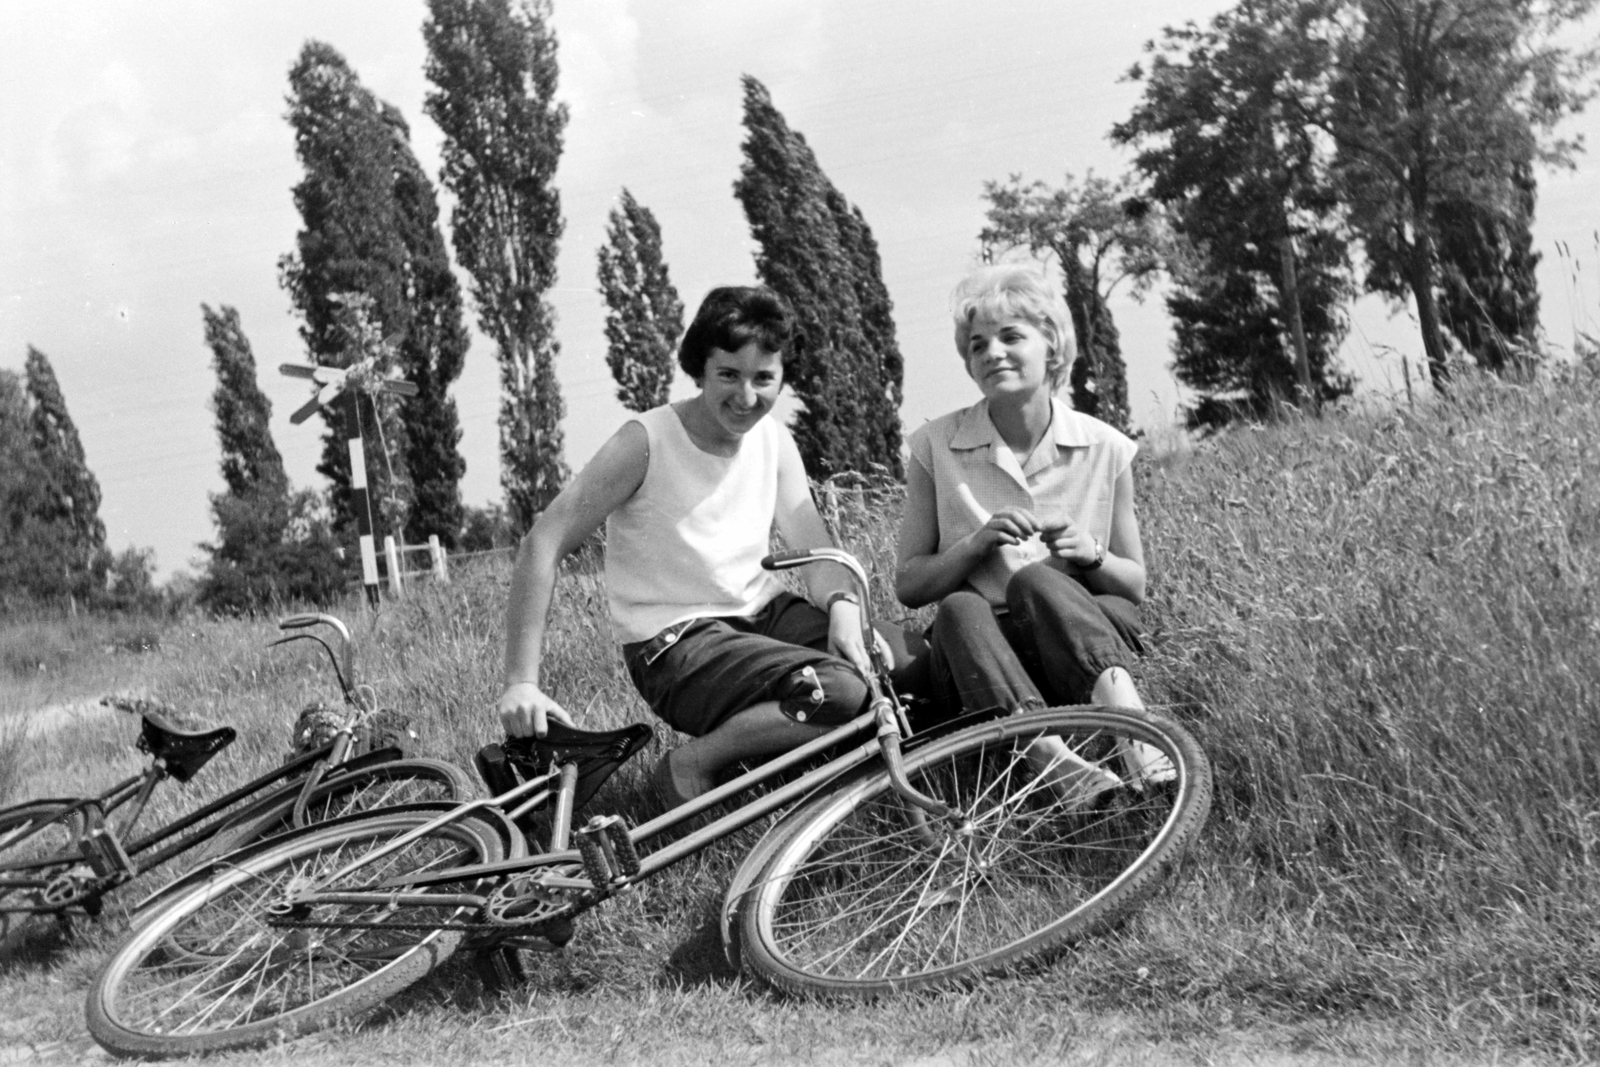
(1383, 627)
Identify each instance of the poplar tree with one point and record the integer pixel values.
(349, 243)
(493, 63)
(818, 252)
(72, 505)
(251, 463)
(273, 545)
(1489, 297)
(643, 313)
(431, 352)
(370, 222)
(34, 554)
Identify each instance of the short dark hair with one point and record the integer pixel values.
(729, 318)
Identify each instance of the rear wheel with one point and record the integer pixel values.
(260, 979)
(38, 844)
(1060, 830)
(370, 788)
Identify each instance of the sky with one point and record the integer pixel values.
(146, 168)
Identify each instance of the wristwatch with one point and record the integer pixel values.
(1099, 557)
(844, 595)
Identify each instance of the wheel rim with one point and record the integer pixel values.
(885, 893)
(222, 966)
(377, 791)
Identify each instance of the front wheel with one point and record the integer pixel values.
(212, 971)
(1065, 821)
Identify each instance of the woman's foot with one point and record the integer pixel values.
(1079, 783)
(1143, 764)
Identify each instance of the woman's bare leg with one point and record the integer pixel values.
(1141, 763)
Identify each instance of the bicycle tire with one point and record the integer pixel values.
(369, 788)
(280, 981)
(32, 831)
(867, 895)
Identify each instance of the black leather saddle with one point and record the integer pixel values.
(598, 754)
(184, 750)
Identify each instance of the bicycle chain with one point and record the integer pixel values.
(553, 902)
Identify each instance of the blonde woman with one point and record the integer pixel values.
(1019, 518)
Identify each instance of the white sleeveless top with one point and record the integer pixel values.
(689, 542)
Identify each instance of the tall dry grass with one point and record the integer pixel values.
(1385, 628)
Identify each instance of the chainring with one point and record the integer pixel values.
(529, 900)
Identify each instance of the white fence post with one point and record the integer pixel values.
(441, 572)
(392, 556)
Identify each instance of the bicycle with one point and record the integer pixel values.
(973, 848)
(60, 856)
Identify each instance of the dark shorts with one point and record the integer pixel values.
(697, 674)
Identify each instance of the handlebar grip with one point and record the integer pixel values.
(779, 560)
(296, 622)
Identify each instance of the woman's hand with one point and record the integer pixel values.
(526, 710)
(1067, 542)
(844, 638)
(1008, 526)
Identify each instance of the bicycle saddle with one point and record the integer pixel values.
(184, 750)
(598, 753)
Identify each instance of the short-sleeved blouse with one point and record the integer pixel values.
(1072, 474)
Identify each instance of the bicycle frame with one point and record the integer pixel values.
(316, 765)
(884, 721)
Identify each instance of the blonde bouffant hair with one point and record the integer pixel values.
(1019, 290)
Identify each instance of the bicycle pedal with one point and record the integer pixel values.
(609, 856)
(104, 854)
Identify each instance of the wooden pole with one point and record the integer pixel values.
(391, 556)
(441, 572)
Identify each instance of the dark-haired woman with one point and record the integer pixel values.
(690, 493)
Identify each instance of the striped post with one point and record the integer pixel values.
(360, 500)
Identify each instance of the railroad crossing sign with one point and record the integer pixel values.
(350, 382)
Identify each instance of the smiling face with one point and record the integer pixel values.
(1008, 356)
(739, 388)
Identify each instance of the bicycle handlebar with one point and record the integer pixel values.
(345, 671)
(780, 561)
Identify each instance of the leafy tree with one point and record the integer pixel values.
(1490, 297)
(1443, 101)
(270, 550)
(72, 505)
(643, 313)
(1487, 288)
(350, 243)
(1099, 235)
(272, 545)
(431, 351)
(1261, 269)
(486, 528)
(817, 250)
(494, 65)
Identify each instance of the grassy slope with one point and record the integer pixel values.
(1383, 628)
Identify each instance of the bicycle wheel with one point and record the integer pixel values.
(261, 979)
(32, 835)
(370, 788)
(868, 894)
